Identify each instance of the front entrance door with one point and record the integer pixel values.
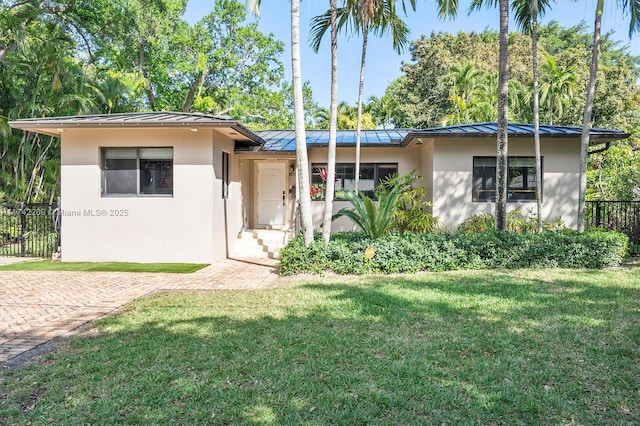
(271, 186)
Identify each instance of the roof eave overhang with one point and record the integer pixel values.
(54, 127)
(594, 139)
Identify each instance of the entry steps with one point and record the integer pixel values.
(260, 243)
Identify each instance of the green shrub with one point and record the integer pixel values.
(411, 212)
(518, 220)
(413, 252)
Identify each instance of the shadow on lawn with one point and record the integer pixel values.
(430, 350)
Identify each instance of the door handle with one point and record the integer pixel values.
(283, 198)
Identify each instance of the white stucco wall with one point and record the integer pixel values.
(185, 227)
(452, 178)
(408, 159)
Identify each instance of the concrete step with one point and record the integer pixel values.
(261, 243)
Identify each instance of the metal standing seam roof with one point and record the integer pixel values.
(285, 140)
(136, 120)
(597, 135)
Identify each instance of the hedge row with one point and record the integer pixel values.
(439, 251)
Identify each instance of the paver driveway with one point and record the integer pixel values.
(36, 307)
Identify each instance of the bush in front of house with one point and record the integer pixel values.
(439, 251)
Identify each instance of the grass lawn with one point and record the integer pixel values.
(473, 347)
(47, 265)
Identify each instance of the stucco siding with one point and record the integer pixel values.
(408, 159)
(453, 168)
(176, 228)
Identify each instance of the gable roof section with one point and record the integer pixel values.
(53, 125)
(516, 130)
(285, 140)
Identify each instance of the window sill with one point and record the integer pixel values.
(136, 195)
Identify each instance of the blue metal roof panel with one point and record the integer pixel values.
(517, 130)
(285, 140)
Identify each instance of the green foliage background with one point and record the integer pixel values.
(73, 57)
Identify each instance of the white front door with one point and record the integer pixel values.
(271, 193)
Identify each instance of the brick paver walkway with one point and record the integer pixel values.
(36, 307)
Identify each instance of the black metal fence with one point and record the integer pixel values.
(30, 230)
(623, 216)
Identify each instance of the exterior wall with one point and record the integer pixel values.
(426, 167)
(408, 159)
(247, 174)
(452, 178)
(186, 227)
(227, 213)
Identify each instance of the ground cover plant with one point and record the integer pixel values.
(47, 265)
(439, 251)
(462, 347)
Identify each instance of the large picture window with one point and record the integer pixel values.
(371, 174)
(137, 171)
(521, 180)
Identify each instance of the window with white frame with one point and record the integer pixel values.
(521, 179)
(137, 171)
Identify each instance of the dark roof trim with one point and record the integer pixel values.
(135, 120)
(517, 130)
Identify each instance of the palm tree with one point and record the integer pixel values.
(463, 80)
(557, 87)
(632, 7)
(463, 85)
(526, 12)
(299, 124)
(376, 16)
(536, 110)
(503, 134)
(450, 7)
(333, 120)
(382, 110)
(486, 98)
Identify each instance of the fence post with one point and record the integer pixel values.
(23, 226)
(598, 216)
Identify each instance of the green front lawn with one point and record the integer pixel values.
(47, 265)
(472, 347)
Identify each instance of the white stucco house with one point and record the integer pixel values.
(180, 187)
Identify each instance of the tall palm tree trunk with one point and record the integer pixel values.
(363, 60)
(333, 124)
(502, 143)
(536, 110)
(300, 131)
(586, 118)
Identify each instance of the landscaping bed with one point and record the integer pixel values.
(438, 251)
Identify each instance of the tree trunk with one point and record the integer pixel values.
(536, 110)
(363, 59)
(300, 132)
(151, 97)
(333, 121)
(195, 88)
(6, 49)
(502, 143)
(586, 118)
